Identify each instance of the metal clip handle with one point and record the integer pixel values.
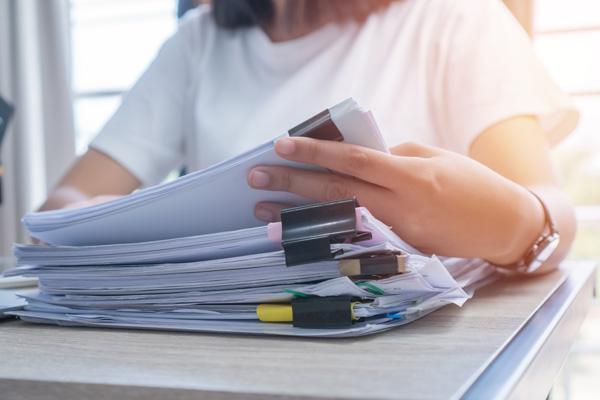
(378, 263)
(308, 231)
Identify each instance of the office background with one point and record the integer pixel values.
(65, 65)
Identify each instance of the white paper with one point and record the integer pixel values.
(212, 200)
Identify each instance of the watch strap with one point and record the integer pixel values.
(549, 237)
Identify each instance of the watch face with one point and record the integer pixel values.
(545, 249)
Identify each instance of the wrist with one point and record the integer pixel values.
(524, 225)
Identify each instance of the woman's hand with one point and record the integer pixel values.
(94, 174)
(439, 201)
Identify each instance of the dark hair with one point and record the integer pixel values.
(233, 14)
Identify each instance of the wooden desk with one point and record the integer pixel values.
(493, 347)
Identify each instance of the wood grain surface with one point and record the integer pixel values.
(430, 358)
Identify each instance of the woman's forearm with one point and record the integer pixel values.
(524, 222)
(94, 174)
(518, 149)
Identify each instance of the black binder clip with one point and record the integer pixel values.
(319, 126)
(380, 263)
(323, 312)
(309, 231)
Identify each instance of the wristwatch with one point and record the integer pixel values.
(541, 250)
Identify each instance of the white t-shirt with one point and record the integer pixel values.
(437, 72)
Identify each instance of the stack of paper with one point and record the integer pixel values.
(221, 294)
(189, 255)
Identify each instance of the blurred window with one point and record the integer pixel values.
(567, 39)
(112, 43)
(566, 35)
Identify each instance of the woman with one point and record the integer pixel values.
(457, 76)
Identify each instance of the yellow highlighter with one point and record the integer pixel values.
(275, 312)
(311, 312)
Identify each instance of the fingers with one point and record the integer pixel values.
(318, 186)
(366, 164)
(269, 211)
(411, 149)
(35, 240)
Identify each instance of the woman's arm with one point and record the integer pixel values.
(145, 133)
(94, 174)
(518, 149)
(437, 200)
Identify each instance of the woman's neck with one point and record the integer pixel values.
(289, 22)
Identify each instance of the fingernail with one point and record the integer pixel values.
(285, 146)
(264, 215)
(259, 179)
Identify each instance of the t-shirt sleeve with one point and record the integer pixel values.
(488, 72)
(145, 135)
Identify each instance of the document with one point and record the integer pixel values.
(189, 255)
(13, 300)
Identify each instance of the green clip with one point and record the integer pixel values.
(371, 288)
